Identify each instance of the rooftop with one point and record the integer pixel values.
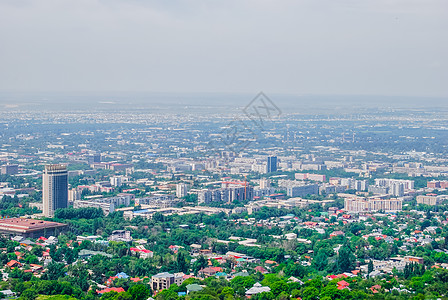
(27, 225)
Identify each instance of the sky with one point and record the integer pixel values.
(301, 47)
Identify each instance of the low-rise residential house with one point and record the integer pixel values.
(111, 289)
(257, 289)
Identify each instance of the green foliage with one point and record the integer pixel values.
(78, 213)
(139, 292)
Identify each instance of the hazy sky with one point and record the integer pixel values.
(377, 47)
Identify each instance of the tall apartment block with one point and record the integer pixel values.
(54, 189)
(272, 164)
(181, 190)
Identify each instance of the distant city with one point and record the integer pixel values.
(189, 196)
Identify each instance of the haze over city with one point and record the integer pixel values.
(384, 48)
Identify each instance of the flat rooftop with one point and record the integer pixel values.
(27, 225)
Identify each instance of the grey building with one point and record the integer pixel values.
(54, 189)
(302, 190)
(272, 164)
(9, 169)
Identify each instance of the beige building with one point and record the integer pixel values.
(430, 199)
(164, 280)
(369, 205)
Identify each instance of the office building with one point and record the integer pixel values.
(94, 158)
(272, 164)
(54, 189)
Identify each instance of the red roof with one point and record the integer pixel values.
(112, 289)
(343, 283)
(12, 263)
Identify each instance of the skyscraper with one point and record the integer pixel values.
(54, 188)
(272, 164)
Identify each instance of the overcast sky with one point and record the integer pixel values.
(377, 47)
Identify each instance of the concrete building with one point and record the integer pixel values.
(30, 228)
(359, 204)
(265, 183)
(74, 195)
(9, 169)
(431, 199)
(302, 190)
(376, 189)
(272, 164)
(116, 181)
(120, 236)
(386, 182)
(161, 201)
(54, 189)
(108, 205)
(181, 190)
(226, 194)
(164, 280)
(308, 176)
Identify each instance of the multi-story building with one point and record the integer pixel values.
(160, 200)
(226, 194)
(94, 158)
(302, 190)
(437, 184)
(74, 195)
(54, 189)
(9, 169)
(272, 164)
(431, 199)
(359, 204)
(164, 280)
(407, 184)
(181, 190)
(120, 236)
(265, 183)
(263, 192)
(376, 189)
(116, 181)
(351, 183)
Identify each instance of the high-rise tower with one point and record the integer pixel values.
(54, 189)
(272, 164)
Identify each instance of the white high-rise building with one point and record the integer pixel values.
(116, 181)
(54, 189)
(181, 190)
(265, 183)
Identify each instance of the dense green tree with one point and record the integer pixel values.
(346, 259)
(139, 292)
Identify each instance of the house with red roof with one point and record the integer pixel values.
(337, 233)
(13, 263)
(112, 289)
(207, 271)
(260, 269)
(343, 285)
(375, 289)
(142, 253)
